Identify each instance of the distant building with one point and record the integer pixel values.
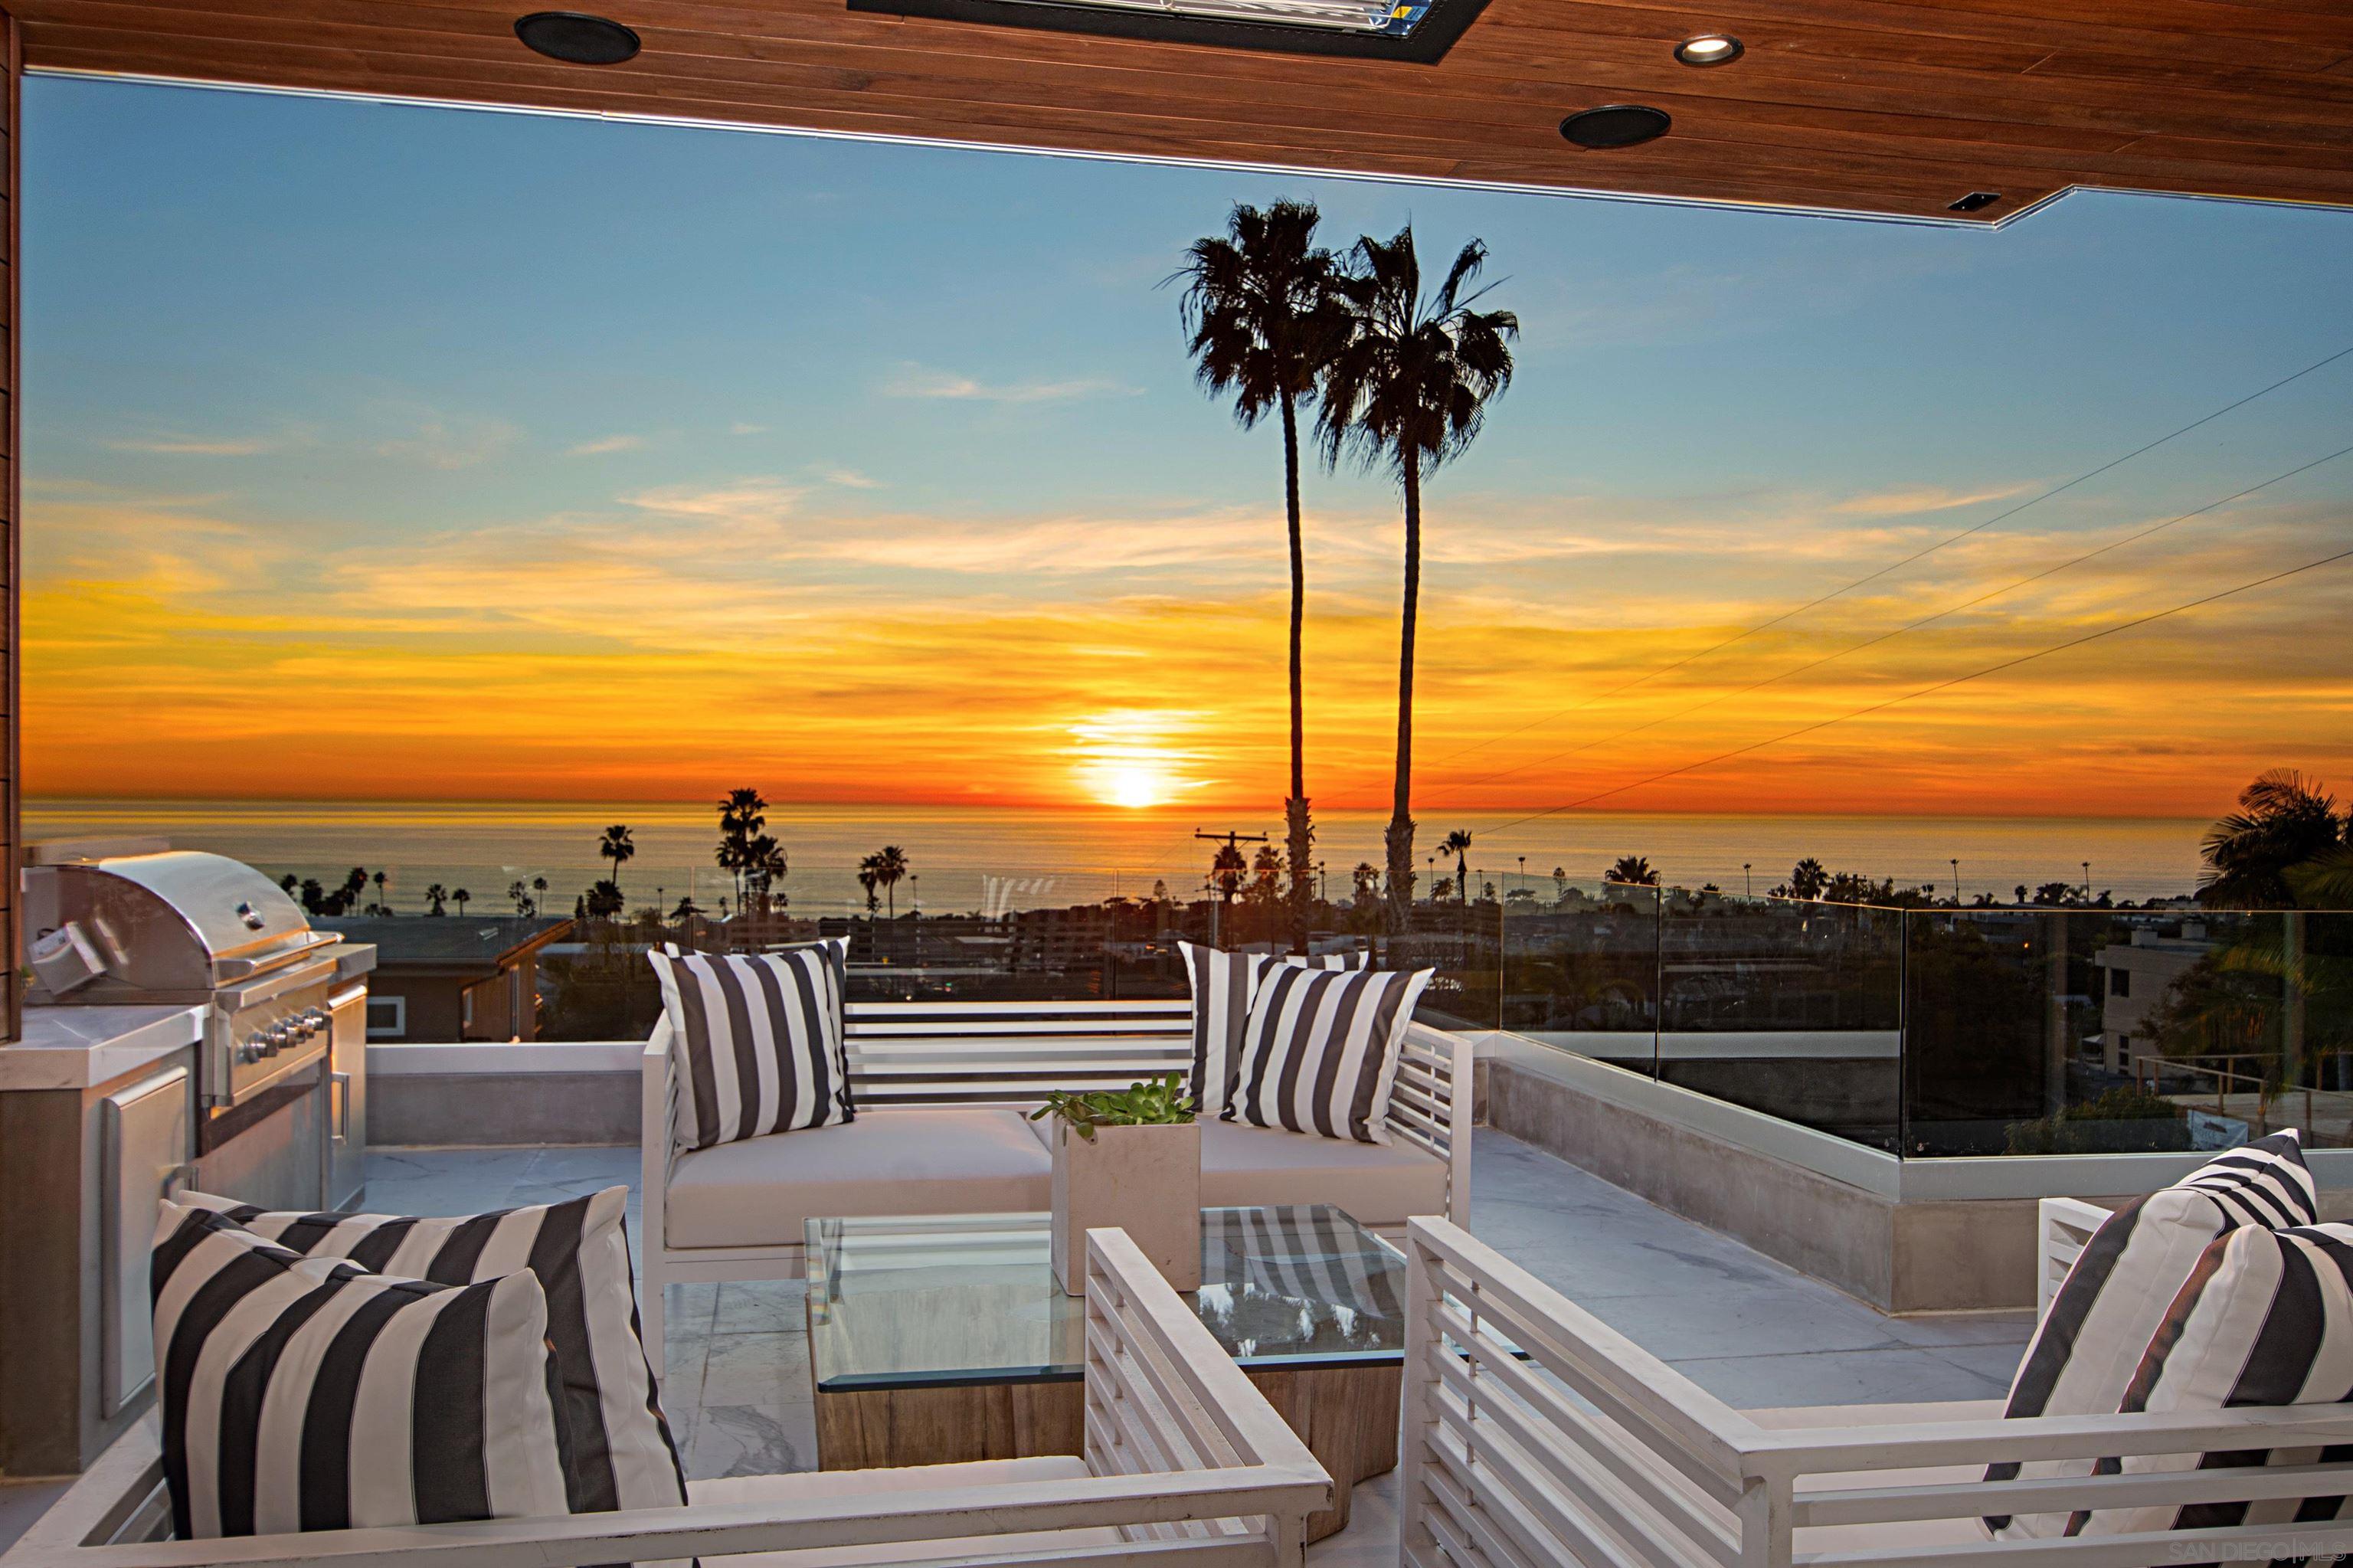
(2136, 978)
(452, 978)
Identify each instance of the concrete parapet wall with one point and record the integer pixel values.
(1921, 1236)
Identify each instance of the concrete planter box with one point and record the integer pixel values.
(1145, 1180)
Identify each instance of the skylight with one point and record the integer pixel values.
(1410, 30)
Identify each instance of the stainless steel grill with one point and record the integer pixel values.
(185, 929)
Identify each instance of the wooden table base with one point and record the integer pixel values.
(1347, 1416)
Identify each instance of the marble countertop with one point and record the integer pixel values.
(75, 1047)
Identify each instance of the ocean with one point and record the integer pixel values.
(966, 859)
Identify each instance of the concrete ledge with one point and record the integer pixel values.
(504, 1060)
(485, 1094)
(1906, 1235)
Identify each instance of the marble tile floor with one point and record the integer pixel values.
(1748, 1329)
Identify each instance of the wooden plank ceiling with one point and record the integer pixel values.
(1865, 105)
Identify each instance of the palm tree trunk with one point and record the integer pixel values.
(1299, 836)
(1400, 829)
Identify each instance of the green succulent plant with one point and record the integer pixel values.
(1153, 1102)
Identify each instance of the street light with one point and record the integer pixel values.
(1747, 883)
(1956, 864)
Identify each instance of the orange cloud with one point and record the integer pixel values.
(694, 633)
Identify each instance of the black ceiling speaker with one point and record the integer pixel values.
(576, 38)
(1616, 125)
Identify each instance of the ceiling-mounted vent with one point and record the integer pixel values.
(1418, 31)
(1976, 201)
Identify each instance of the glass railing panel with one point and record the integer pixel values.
(1460, 942)
(2075, 1031)
(1792, 1009)
(1580, 970)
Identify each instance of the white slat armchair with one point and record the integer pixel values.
(1186, 1463)
(1593, 1453)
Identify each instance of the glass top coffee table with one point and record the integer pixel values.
(941, 1339)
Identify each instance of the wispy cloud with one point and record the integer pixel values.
(746, 428)
(443, 443)
(918, 381)
(1912, 500)
(196, 445)
(849, 479)
(761, 499)
(604, 444)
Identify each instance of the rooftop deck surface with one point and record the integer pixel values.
(1750, 1330)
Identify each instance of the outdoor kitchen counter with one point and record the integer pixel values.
(77, 1047)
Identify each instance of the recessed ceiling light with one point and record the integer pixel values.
(1709, 49)
(1616, 125)
(1975, 201)
(576, 38)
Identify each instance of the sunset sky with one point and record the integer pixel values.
(380, 451)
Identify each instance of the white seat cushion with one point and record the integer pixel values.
(757, 1193)
(828, 1485)
(1376, 1183)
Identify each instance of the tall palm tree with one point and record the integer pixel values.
(435, 896)
(1632, 870)
(538, 892)
(867, 879)
(461, 898)
(1458, 844)
(616, 846)
(2284, 822)
(1408, 387)
(380, 878)
(1257, 302)
(890, 864)
(741, 817)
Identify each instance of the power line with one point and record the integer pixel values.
(1898, 566)
(1900, 631)
(1926, 691)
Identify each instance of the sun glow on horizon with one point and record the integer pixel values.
(1131, 759)
(1133, 788)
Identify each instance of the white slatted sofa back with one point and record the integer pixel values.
(1011, 1053)
(1591, 1452)
(1187, 1463)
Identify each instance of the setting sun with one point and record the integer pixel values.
(1133, 786)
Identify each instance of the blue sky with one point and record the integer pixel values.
(397, 396)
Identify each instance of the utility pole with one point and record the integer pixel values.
(1748, 882)
(1956, 864)
(1232, 840)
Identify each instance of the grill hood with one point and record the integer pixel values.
(180, 921)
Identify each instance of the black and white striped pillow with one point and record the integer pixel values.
(2088, 1346)
(1320, 1051)
(757, 1041)
(2266, 1318)
(1223, 985)
(308, 1394)
(620, 1453)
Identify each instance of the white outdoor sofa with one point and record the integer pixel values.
(943, 1092)
(1592, 1452)
(1186, 1462)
